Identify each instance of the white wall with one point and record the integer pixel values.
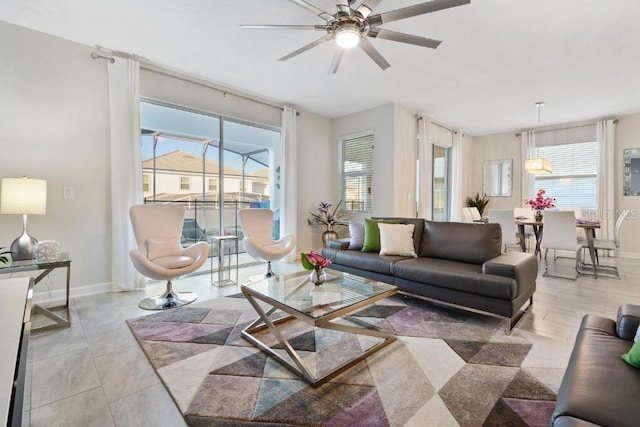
(318, 175)
(54, 126)
(627, 136)
(493, 147)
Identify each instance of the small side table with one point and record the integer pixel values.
(222, 268)
(63, 261)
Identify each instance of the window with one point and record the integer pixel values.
(185, 183)
(440, 208)
(213, 185)
(145, 183)
(573, 182)
(357, 172)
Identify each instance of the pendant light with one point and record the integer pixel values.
(538, 165)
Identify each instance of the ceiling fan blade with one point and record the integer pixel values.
(343, 7)
(367, 7)
(336, 60)
(418, 9)
(311, 45)
(285, 27)
(374, 54)
(395, 36)
(311, 8)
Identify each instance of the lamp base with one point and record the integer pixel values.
(22, 247)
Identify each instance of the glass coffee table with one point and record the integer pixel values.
(326, 306)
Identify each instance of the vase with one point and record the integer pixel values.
(327, 236)
(538, 216)
(318, 277)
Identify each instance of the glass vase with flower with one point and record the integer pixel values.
(316, 263)
(540, 203)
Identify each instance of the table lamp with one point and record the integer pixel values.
(23, 196)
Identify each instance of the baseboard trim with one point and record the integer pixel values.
(58, 297)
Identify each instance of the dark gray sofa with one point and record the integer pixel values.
(598, 387)
(459, 264)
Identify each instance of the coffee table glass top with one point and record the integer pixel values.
(338, 292)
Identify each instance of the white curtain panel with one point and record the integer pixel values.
(288, 222)
(605, 133)
(457, 174)
(527, 151)
(126, 168)
(425, 170)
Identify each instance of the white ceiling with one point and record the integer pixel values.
(498, 57)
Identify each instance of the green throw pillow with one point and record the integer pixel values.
(633, 357)
(372, 234)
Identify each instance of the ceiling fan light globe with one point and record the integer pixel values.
(348, 38)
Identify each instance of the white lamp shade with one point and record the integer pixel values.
(538, 166)
(23, 196)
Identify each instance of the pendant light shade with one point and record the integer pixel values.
(539, 165)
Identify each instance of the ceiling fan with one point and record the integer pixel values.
(354, 25)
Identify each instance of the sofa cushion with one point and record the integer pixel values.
(372, 234)
(633, 357)
(397, 239)
(356, 235)
(471, 243)
(598, 386)
(455, 275)
(417, 231)
(364, 260)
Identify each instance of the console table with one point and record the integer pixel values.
(63, 261)
(15, 318)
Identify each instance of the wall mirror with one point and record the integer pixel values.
(497, 177)
(631, 178)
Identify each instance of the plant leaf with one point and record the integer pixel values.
(305, 261)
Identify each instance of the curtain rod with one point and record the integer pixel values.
(107, 54)
(564, 128)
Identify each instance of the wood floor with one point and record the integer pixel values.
(94, 373)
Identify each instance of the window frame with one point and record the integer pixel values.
(540, 179)
(182, 183)
(366, 173)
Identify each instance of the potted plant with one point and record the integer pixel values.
(328, 218)
(3, 256)
(479, 202)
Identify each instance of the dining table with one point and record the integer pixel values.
(588, 225)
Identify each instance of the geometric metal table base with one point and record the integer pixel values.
(61, 322)
(170, 299)
(295, 364)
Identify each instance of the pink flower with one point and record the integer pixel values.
(540, 202)
(314, 261)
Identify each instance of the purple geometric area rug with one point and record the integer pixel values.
(449, 367)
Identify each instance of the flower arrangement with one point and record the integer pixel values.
(314, 261)
(540, 202)
(325, 216)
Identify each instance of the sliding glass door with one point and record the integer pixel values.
(213, 166)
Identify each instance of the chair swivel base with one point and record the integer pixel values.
(170, 299)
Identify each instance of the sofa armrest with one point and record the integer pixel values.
(520, 266)
(341, 244)
(628, 320)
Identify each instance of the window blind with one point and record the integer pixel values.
(357, 173)
(574, 180)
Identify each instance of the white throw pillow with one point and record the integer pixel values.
(396, 239)
(158, 248)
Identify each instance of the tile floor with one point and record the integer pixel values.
(94, 373)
